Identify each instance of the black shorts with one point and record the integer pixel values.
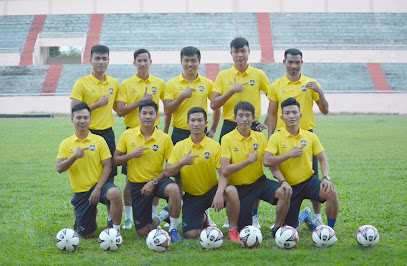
(179, 134)
(124, 166)
(193, 209)
(229, 126)
(108, 135)
(264, 189)
(85, 222)
(142, 204)
(308, 189)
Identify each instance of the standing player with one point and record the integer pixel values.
(239, 83)
(87, 158)
(242, 153)
(188, 90)
(99, 91)
(142, 86)
(145, 148)
(306, 91)
(196, 158)
(289, 155)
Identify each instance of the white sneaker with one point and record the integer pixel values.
(226, 225)
(127, 224)
(255, 221)
(272, 227)
(208, 217)
(167, 225)
(318, 222)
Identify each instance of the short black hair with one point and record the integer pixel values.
(292, 51)
(99, 49)
(80, 106)
(238, 43)
(189, 51)
(148, 103)
(290, 101)
(244, 106)
(141, 51)
(194, 110)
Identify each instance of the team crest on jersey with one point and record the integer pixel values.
(207, 155)
(252, 82)
(255, 146)
(201, 88)
(111, 90)
(303, 143)
(155, 147)
(154, 89)
(304, 88)
(92, 147)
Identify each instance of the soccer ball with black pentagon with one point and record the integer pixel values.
(211, 238)
(110, 239)
(158, 240)
(67, 240)
(250, 237)
(323, 236)
(367, 236)
(287, 237)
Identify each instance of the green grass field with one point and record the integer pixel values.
(367, 157)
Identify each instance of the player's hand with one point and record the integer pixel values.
(218, 202)
(147, 96)
(187, 93)
(296, 151)
(94, 197)
(286, 190)
(138, 152)
(104, 100)
(189, 159)
(252, 157)
(80, 152)
(260, 126)
(147, 189)
(237, 87)
(314, 86)
(326, 185)
(210, 133)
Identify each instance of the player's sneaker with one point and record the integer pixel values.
(335, 239)
(109, 223)
(318, 222)
(127, 224)
(175, 237)
(208, 218)
(233, 235)
(118, 230)
(255, 221)
(205, 222)
(274, 231)
(226, 224)
(166, 225)
(271, 227)
(306, 217)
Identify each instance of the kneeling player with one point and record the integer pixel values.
(196, 158)
(87, 158)
(144, 149)
(242, 151)
(289, 155)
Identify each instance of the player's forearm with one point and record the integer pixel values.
(161, 176)
(323, 161)
(270, 160)
(127, 109)
(64, 165)
(323, 103)
(172, 169)
(95, 106)
(222, 184)
(236, 167)
(271, 123)
(215, 119)
(170, 107)
(122, 159)
(104, 176)
(277, 173)
(220, 100)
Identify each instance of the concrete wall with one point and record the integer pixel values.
(33, 7)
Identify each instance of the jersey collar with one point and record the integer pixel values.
(201, 144)
(88, 137)
(181, 78)
(288, 134)
(240, 136)
(300, 81)
(153, 136)
(247, 71)
(142, 80)
(95, 80)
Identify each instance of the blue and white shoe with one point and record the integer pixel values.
(175, 237)
(127, 224)
(306, 217)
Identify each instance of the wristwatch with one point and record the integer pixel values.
(327, 177)
(155, 182)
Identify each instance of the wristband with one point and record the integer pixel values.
(284, 181)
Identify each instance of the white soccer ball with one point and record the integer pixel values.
(110, 239)
(211, 238)
(250, 237)
(323, 236)
(67, 240)
(158, 240)
(287, 237)
(367, 236)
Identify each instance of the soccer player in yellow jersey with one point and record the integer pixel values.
(87, 158)
(289, 155)
(142, 86)
(144, 149)
(306, 91)
(241, 158)
(99, 91)
(196, 158)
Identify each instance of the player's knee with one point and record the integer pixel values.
(172, 190)
(332, 196)
(114, 194)
(231, 192)
(191, 234)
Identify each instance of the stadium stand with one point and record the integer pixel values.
(65, 26)
(396, 75)
(22, 80)
(13, 32)
(339, 31)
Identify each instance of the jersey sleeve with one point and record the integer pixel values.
(316, 145)
(272, 94)
(168, 148)
(210, 86)
(162, 91)
(217, 157)
(62, 152)
(77, 91)
(169, 92)
(104, 151)
(174, 158)
(272, 146)
(225, 149)
(315, 95)
(265, 84)
(122, 145)
(122, 95)
(218, 86)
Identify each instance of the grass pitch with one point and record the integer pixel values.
(367, 158)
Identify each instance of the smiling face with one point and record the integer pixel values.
(81, 120)
(99, 62)
(147, 116)
(142, 62)
(240, 55)
(293, 64)
(291, 115)
(244, 119)
(190, 64)
(197, 123)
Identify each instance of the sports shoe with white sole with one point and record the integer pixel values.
(226, 224)
(255, 221)
(127, 224)
(306, 217)
(318, 222)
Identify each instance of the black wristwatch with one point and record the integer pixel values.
(327, 177)
(155, 182)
